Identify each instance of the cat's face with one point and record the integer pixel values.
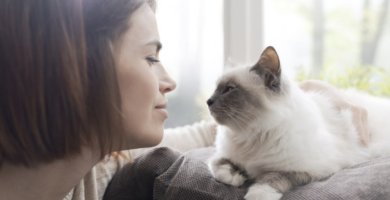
(243, 94)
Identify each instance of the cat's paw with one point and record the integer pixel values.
(226, 173)
(262, 192)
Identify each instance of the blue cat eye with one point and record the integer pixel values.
(228, 88)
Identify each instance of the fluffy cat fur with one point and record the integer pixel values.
(279, 136)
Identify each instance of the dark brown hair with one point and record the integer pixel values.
(58, 90)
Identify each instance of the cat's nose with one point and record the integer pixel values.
(210, 102)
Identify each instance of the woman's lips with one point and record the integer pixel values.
(162, 109)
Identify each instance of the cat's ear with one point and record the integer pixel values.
(268, 68)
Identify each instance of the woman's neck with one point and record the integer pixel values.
(48, 181)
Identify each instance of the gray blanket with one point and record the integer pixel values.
(165, 174)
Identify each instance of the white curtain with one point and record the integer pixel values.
(192, 35)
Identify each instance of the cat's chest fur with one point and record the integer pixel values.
(312, 136)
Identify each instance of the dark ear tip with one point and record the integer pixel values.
(269, 48)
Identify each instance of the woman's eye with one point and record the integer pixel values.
(152, 60)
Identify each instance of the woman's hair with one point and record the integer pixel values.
(58, 89)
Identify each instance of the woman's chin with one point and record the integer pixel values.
(153, 142)
(150, 140)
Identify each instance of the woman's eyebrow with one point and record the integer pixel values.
(156, 43)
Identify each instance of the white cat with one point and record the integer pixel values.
(273, 132)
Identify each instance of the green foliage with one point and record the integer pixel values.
(373, 80)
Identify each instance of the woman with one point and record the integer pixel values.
(80, 79)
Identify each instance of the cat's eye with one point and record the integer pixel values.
(228, 88)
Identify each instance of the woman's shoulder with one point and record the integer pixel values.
(94, 183)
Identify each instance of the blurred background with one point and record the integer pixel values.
(344, 42)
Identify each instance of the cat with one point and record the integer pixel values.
(279, 136)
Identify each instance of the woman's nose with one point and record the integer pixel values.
(167, 84)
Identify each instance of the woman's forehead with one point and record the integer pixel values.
(142, 27)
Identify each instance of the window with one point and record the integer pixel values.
(319, 36)
(344, 42)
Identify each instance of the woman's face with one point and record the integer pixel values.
(143, 81)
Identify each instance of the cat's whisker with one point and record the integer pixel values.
(234, 119)
(242, 116)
